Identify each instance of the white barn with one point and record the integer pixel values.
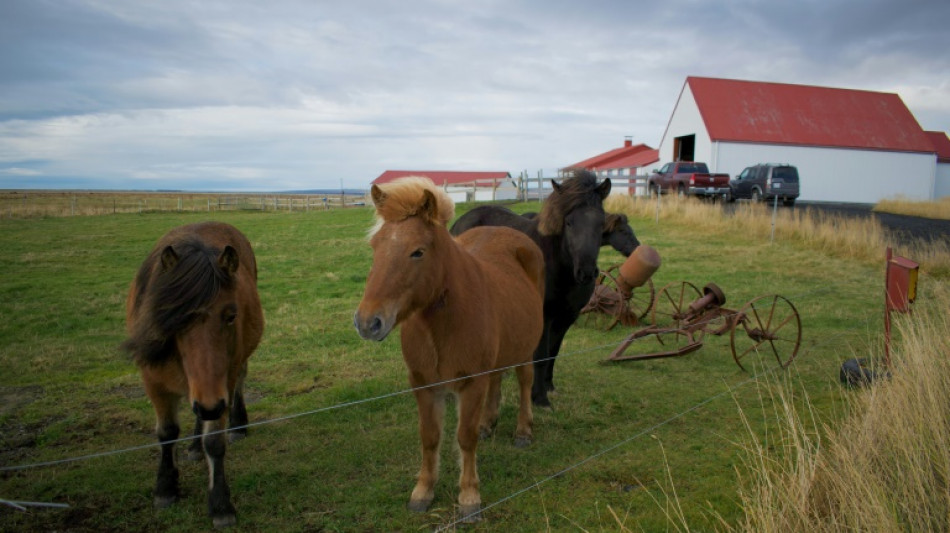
(848, 145)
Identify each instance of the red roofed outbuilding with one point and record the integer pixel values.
(848, 145)
(463, 186)
(628, 160)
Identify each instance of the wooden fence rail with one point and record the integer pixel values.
(65, 203)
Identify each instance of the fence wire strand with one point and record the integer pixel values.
(818, 291)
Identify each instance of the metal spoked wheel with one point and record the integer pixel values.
(613, 308)
(767, 326)
(669, 310)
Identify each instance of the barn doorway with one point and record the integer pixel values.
(684, 148)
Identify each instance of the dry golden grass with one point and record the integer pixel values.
(884, 468)
(902, 206)
(850, 237)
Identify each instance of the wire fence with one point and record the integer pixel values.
(820, 291)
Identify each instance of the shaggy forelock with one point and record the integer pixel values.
(404, 199)
(577, 190)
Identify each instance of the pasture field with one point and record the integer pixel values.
(648, 445)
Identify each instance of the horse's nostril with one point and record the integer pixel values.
(376, 325)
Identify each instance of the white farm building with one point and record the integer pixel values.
(848, 145)
(463, 186)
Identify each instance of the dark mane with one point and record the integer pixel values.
(171, 299)
(613, 221)
(578, 190)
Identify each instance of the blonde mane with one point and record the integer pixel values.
(404, 198)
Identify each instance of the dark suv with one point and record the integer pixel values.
(766, 181)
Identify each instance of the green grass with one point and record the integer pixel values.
(65, 390)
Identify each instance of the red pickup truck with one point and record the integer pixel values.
(688, 178)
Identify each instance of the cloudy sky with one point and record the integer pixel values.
(236, 95)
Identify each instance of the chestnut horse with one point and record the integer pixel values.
(194, 318)
(466, 306)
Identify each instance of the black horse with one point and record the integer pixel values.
(617, 232)
(569, 232)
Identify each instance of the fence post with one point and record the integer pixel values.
(774, 209)
(540, 187)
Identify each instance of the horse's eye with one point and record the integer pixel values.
(416, 254)
(229, 316)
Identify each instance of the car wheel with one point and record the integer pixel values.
(654, 191)
(788, 202)
(681, 191)
(756, 195)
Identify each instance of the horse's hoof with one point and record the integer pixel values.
(162, 502)
(419, 506)
(544, 402)
(471, 513)
(223, 521)
(522, 442)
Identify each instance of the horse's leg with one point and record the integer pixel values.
(558, 330)
(492, 402)
(523, 433)
(471, 402)
(431, 406)
(219, 495)
(195, 451)
(237, 416)
(539, 395)
(167, 429)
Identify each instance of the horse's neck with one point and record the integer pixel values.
(457, 265)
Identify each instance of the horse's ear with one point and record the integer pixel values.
(554, 184)
(429, 210)
(604, 188)
(228, 261)
(378, 196)
(169, 259)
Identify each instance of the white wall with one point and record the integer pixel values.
(942, 184)
(686, 120)
(839, 175)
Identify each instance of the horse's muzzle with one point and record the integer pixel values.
(374, 327)
(209, 414)
(586, 275)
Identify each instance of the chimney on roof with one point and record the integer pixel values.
(628, 141)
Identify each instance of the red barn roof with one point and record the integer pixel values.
(440, 177)
(941, 145)
(639, 159)
(779, 113)
(610, 158)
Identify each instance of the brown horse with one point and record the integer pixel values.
(194, 318)
(467, 306)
